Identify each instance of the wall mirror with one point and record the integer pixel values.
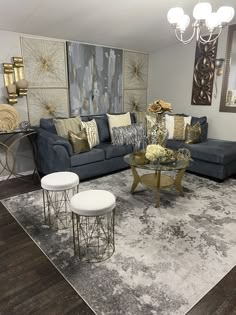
(228, 92)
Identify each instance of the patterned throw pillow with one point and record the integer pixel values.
(79, 141)
(176, 126)
(92, 132)
(63, 126)
(134, 134)
(193, 133)
(118, 121)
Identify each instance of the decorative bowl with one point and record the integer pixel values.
(139, 158)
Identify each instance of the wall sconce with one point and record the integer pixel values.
(219, 63)
(14, 80)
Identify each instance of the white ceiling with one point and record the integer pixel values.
(131, 24)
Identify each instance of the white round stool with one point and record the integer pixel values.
(58, 188)
(93, 215)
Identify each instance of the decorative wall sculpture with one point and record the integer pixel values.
(45, 63)
(95, 79)
(135, 70)
(203, 75)
(135, 100)
(47, 103)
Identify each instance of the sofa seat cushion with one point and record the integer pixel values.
(112, 151)
(92, 156)
(215, 151)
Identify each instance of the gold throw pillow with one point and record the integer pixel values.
(64, 125)
(193, 133)
(79, 141)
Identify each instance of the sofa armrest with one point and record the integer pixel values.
(52, 152)
(54, 139)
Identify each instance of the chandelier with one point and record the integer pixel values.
(205, 25)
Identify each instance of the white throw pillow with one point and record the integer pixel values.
(118, 121)
(176, 126)
(92, 132)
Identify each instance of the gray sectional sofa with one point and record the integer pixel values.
(54, 153)
(211, 157)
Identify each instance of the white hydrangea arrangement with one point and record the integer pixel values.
(154, 151)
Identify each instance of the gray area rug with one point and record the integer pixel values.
(166, 258)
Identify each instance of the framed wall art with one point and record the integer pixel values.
(47, 103)
(135, 70)
(45, 63)
(95, 79)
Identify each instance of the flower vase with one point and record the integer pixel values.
(159, 133)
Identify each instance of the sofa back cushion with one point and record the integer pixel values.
(103, 128)
(101, 120)
(48, 125)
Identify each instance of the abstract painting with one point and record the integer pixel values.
(47, 103)
(135, 100)
(45, 63)
(135, 70)
(95, 79)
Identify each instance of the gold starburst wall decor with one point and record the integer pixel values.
(45, 63)
(135, 100)
(47, 103)
(135, 70)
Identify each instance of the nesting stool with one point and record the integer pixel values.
(93, 215)
(58, 188)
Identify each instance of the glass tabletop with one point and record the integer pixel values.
(15, 131)
(173, 165)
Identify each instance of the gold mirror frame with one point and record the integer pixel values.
(225, 81)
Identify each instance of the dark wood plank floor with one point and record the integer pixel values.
(30, 284)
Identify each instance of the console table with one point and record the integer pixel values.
(8, 139)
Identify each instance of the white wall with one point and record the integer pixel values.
(171, 77)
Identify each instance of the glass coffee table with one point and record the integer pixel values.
(157, 180)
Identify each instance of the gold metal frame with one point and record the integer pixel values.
(6, 147)
(94, 236)
(157, 181)
(56, 206)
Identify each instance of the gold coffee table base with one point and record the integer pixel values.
(157, 181)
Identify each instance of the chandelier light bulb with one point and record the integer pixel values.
(212, 21)
(202, 10)
(175, 15)
(184, 23)
(204, 18)
(225, 14)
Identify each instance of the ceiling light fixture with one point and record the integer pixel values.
(206, 22)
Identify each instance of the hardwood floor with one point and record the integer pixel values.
(30, 284)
